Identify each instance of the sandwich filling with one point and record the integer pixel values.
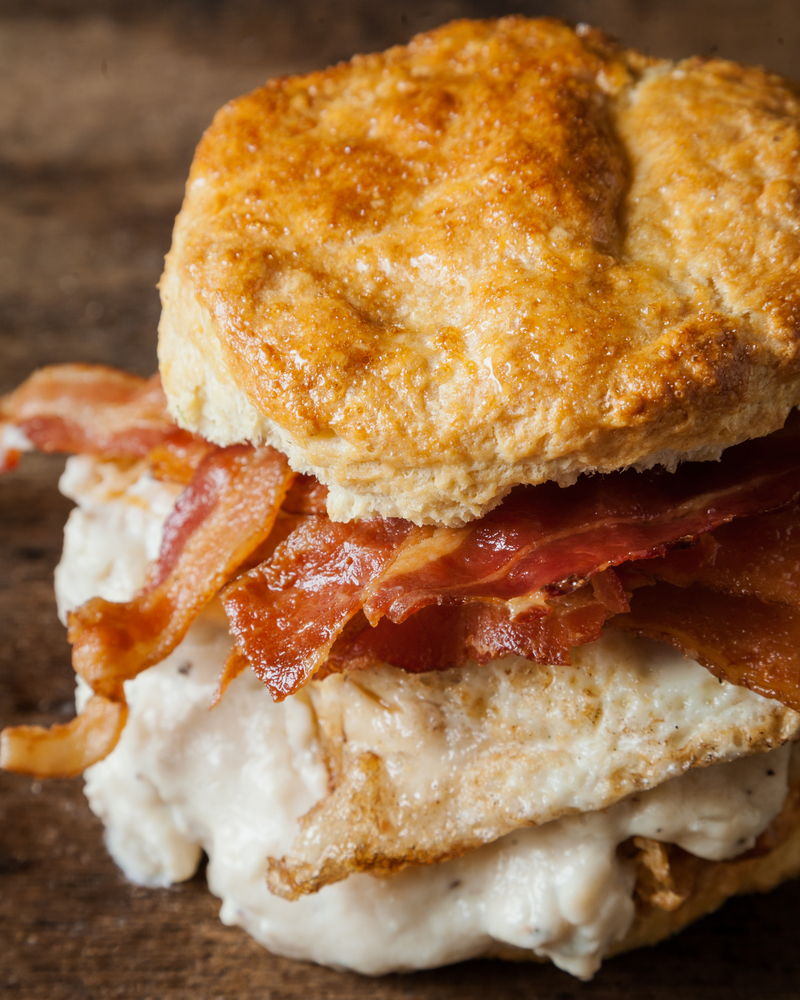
(705, 558)
(236, 781)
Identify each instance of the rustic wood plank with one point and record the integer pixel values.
(100, 107)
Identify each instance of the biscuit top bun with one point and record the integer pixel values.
(505, 253)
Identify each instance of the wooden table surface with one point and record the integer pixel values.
(101, 104)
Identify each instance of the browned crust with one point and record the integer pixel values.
(505, 253)
(385, 735)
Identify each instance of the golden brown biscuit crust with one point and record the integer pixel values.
(505, 253)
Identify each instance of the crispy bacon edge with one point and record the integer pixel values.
(227, 511)
(91, 409)
(286, 613)
(66, 750)
(303, 605)
(221, 518)
(732, 603)
(742, 640)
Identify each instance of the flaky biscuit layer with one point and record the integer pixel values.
(506, 253)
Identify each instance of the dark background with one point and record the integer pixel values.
(101, 105)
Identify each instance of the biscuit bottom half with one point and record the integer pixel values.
(606, 842)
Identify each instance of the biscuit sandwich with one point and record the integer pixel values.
(467, 496)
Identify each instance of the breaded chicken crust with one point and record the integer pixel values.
(505, 253)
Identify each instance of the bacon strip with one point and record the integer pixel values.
(235, 664)
(739, 639)
(178, 456)
(438, 637)
(219, 520)
(9, 458)
(286, 613)
(306, 496)
(608, 590)
(732, 603)
(752, 556)
(90, 408)
(541, 542)
(551, 540)
(64, 751)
